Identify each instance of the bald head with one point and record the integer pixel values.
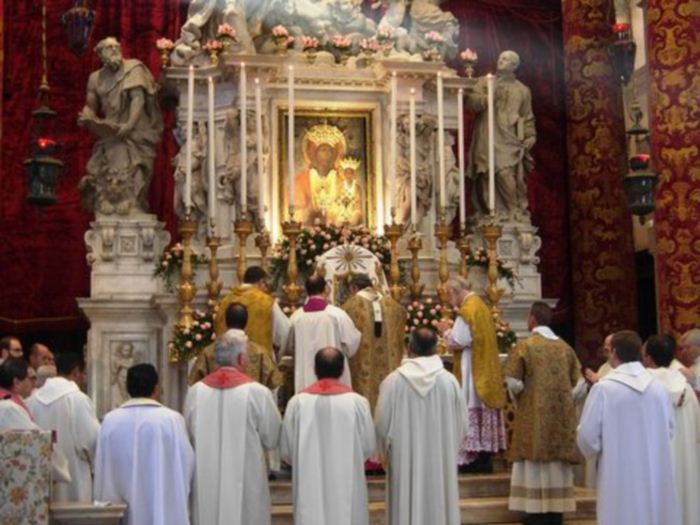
(329, 363)
(457, 289)
(315, 285)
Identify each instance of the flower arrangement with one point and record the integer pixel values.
(170, 262)
(226, 31)
(480, 258)
(428, 313)
(165, 44)
(369, 45)
(315, 241)
(341, 42)
(385, 33)
(309, 43)
(505, 336)
(433, 37)
(187, 343)
(468, 55)
(279, 31)
(213, 46)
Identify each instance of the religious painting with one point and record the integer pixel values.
(333, 169)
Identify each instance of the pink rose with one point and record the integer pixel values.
(188, 344)
(198, 337)
(415, 322)
(425, 321)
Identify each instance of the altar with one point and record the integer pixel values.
(285, 130)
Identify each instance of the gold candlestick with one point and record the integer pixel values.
(414, 246)
(186, 289)
(263, 242)
(214, 286)
(291, 230)
(242, 228)
(464, 247)
(491, 233)
(442, 232)
(393, 231)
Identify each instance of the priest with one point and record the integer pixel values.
(627, 423)
(15, 386)
(658, 356)
(61, 406)
(318, 325)
(475, 346)
(268, 326)
(420, 424)
(144, 457)
(327, 435)
(231, 421)
(544, 372)
(381, 320)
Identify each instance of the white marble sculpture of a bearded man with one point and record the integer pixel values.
(121, 109)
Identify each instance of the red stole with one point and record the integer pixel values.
(328, 387)
(226, 377)
(315, 304)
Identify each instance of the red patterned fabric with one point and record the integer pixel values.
(533, 30)
(486, 433)
(328, 387)
(674, 67)
(42, 252)
(602, 248)
(226, 377)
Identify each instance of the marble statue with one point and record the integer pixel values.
(122, 360)
(514, 138)
(426, 167)
(121, 110)
(200, 179)
(451, 177)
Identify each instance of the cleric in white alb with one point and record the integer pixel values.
(319, 325)
(327, 436)
(231, 420)
(420, 421)
(144, 456)
(60, 405)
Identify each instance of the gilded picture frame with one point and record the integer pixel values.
(334, 166)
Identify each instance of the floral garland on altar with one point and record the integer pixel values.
(480, 258)
(188, 343)
(316, 240)
(170, 263)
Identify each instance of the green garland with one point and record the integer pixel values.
(170, 263)
(188, 343)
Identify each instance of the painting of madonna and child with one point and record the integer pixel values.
(332, 182)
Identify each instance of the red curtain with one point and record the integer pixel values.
(42, 252)
(490, 27)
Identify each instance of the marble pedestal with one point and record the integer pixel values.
(126, 326)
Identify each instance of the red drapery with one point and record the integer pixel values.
(674, 58)
(601, 227)
(42, 253)
(490, 27)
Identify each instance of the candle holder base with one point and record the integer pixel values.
(186, 289)
(393, 232)
(263, 243)
(214, 286)
(242, 228)
(292, 290)
(442, 233)
(464, 247)
(491, 233)
(415, 244)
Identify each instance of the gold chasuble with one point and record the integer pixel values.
(486, 367)
(259, 305)
(377, 355)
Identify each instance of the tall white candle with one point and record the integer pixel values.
(188, 146)
(290, 135)
(441, 141)
(212, 157)
(262, 181)
(491, 142)
(392, 141)
(243, 103)
(412, 155)
(460, 156)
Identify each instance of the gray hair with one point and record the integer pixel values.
(105, 42)
(691, 337)
(457, 282)
(229, 347)
(512, 55)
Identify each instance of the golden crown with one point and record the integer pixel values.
(349, 163)
(325, 134)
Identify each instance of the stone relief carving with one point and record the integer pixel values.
(122, 360)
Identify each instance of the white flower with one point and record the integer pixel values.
(188, 344)
(198, 337)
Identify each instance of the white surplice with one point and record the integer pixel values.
(60, 405)
(326, 439)
(144, 458)
(229, 428)
(420, 425)
(685, 444)
(313, 331)
(628, 422)
(14, 417)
